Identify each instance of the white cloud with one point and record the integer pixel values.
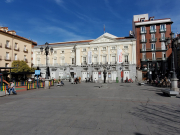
(9, 1)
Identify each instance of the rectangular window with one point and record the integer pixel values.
(152, 27)
(15, 46)
(15, 56)
(113, 59)
(73, 61)
(152, 37)
(153, 46)
(113, 48)
(143, 47)
(7, 43)
(95, 49)
(162, 27)
(104, 48)
(163, 46)
(153, 56)
(144, 56)
(126, 47)
(84, 49)
(164, 55)
(38, 61)
(25, 48)
(84, 59)
(62, 52)
(143, 38)
(163, 36)
(126, 58)
(143, 29)
(7, 55)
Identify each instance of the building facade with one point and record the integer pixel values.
(88, 58)
(151, 52)
(14, 47)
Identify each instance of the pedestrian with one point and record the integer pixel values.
(12, 88)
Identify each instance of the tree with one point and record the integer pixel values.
(22, 66)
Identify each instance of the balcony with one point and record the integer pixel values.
(143, 32)
(143, 40)
(154, 59)
(0, 45)
(17, 49)
(152, 40)
(25, 50)
(162, 39)
(152, 31)
(162, 30)
(158, 49)
(7, 46)
(7, 58)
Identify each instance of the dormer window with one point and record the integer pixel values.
(142, 19)
(151, 18)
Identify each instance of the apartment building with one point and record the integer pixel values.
(14, 47)
(89, 57)
(151, 52)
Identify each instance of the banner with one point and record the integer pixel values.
(119, 54)
(90, 57)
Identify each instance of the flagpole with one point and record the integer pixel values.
(104, 28)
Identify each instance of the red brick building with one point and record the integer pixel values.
(151, 52)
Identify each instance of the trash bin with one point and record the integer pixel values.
(117, 81)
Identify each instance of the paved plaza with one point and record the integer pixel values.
(86, 109)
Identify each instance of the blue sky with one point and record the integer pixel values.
(72, 20)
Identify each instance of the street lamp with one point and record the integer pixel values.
(46, 49)
(172, 42)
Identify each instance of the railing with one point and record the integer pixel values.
(154, 59)
(151, 50)
(7, 46)
(152, 31)
(24, 83)
(126, 62)
(162, 30)
(25, 50)
(153, 40)
(16, 49)
(7, 58)
(51, 83)
(143, 40)
(143, 32)
(162, 39)
(4, 87)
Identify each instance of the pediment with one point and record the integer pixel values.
(105, 38)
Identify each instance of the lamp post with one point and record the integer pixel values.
(46, 52)
(172, 42)
(46, 49)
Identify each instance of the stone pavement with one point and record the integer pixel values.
(86, 109)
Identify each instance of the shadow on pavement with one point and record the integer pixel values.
(164, 119)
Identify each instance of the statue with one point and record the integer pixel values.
(104, 72)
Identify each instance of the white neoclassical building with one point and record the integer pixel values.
(89, 57)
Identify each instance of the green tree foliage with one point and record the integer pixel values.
(22, 66)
